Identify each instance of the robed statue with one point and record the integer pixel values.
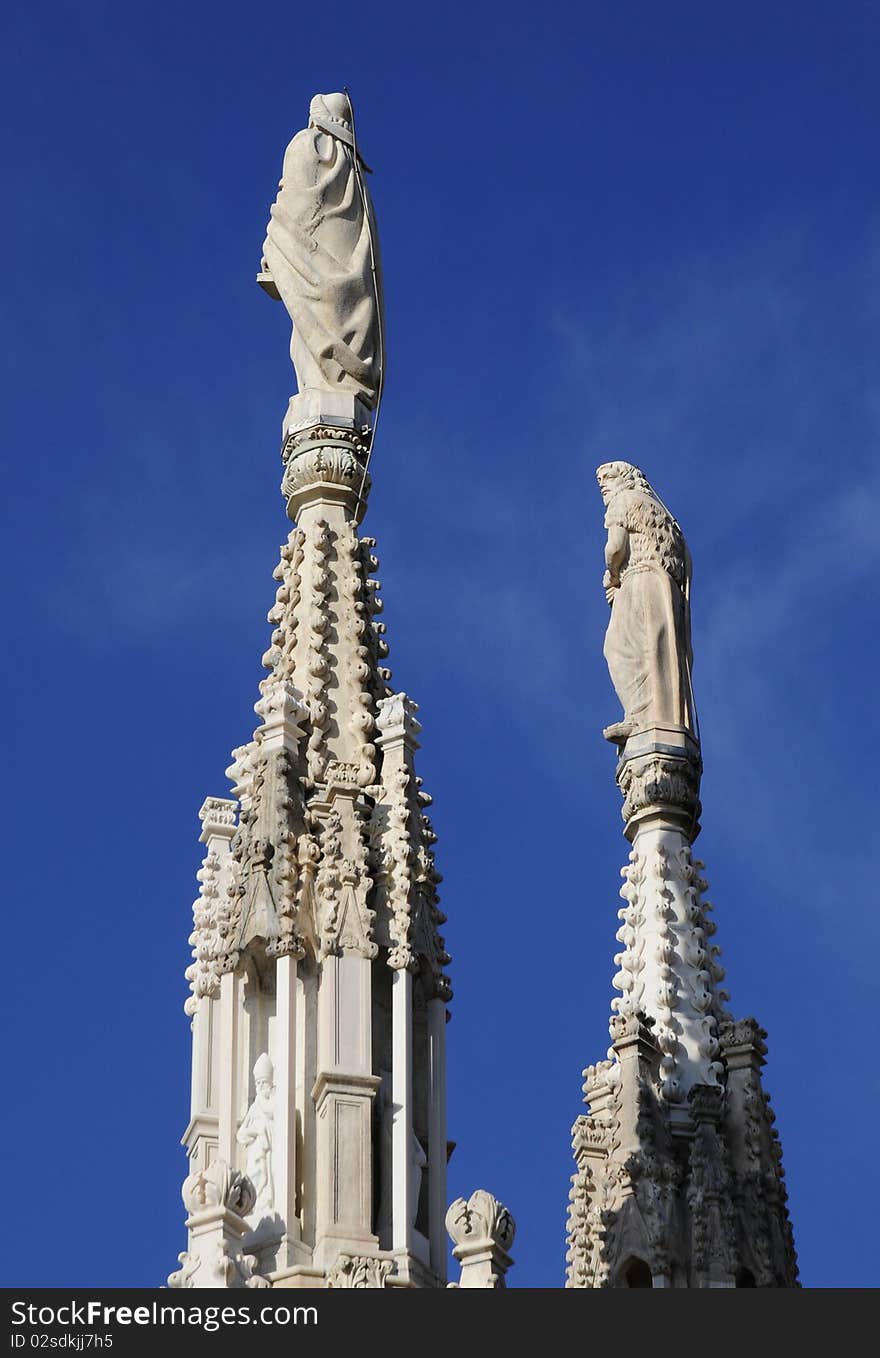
(321, 257)
(647, 583)
(256, 1135)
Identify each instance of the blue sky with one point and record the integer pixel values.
(637, 231)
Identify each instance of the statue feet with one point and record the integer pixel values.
(619, 732)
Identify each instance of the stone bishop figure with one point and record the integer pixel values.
(647, 583)
(321, 257)
(255, 1134)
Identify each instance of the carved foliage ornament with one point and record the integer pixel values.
(323, 455)
(363, 601)
(218, 1186)
(263, 887)
(221, 1266)
(660, 780)
(353, 1270)
(342, 885)
(481, 1220)
(284, 614)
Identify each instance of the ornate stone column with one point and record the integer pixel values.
(218, 817)
(397, 740)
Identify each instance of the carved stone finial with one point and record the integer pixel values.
(482, 1232)
(218, 1199)
(218, 1186)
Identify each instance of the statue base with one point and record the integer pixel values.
(659, 772)
(336, 409)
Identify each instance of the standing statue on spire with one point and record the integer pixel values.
(647, 583)
(321, 258)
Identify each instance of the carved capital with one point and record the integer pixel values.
(590, 1139)
(743, 1038)
(217, 815)
(327, 459)
(707, 1103)
(660, 783)
(628, 1030)
(396, 720)
(282, 712)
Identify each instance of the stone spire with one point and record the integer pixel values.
(316, 931)
(678, 1178)
(317, 1137)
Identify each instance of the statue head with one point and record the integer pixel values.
(264, 1073)
(616, 476)
(332, 114)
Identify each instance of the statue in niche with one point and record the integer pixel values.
(647, 583)
(255, 1133)
(321, 257)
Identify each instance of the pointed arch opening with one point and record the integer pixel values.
(635, 1273)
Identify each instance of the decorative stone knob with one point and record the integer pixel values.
(218, 1186)
(482, 1231)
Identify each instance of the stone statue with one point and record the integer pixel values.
(255, 1133)
(647, 583)
(321, 257)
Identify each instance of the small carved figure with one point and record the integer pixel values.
(647, 583)
(255, 1133)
